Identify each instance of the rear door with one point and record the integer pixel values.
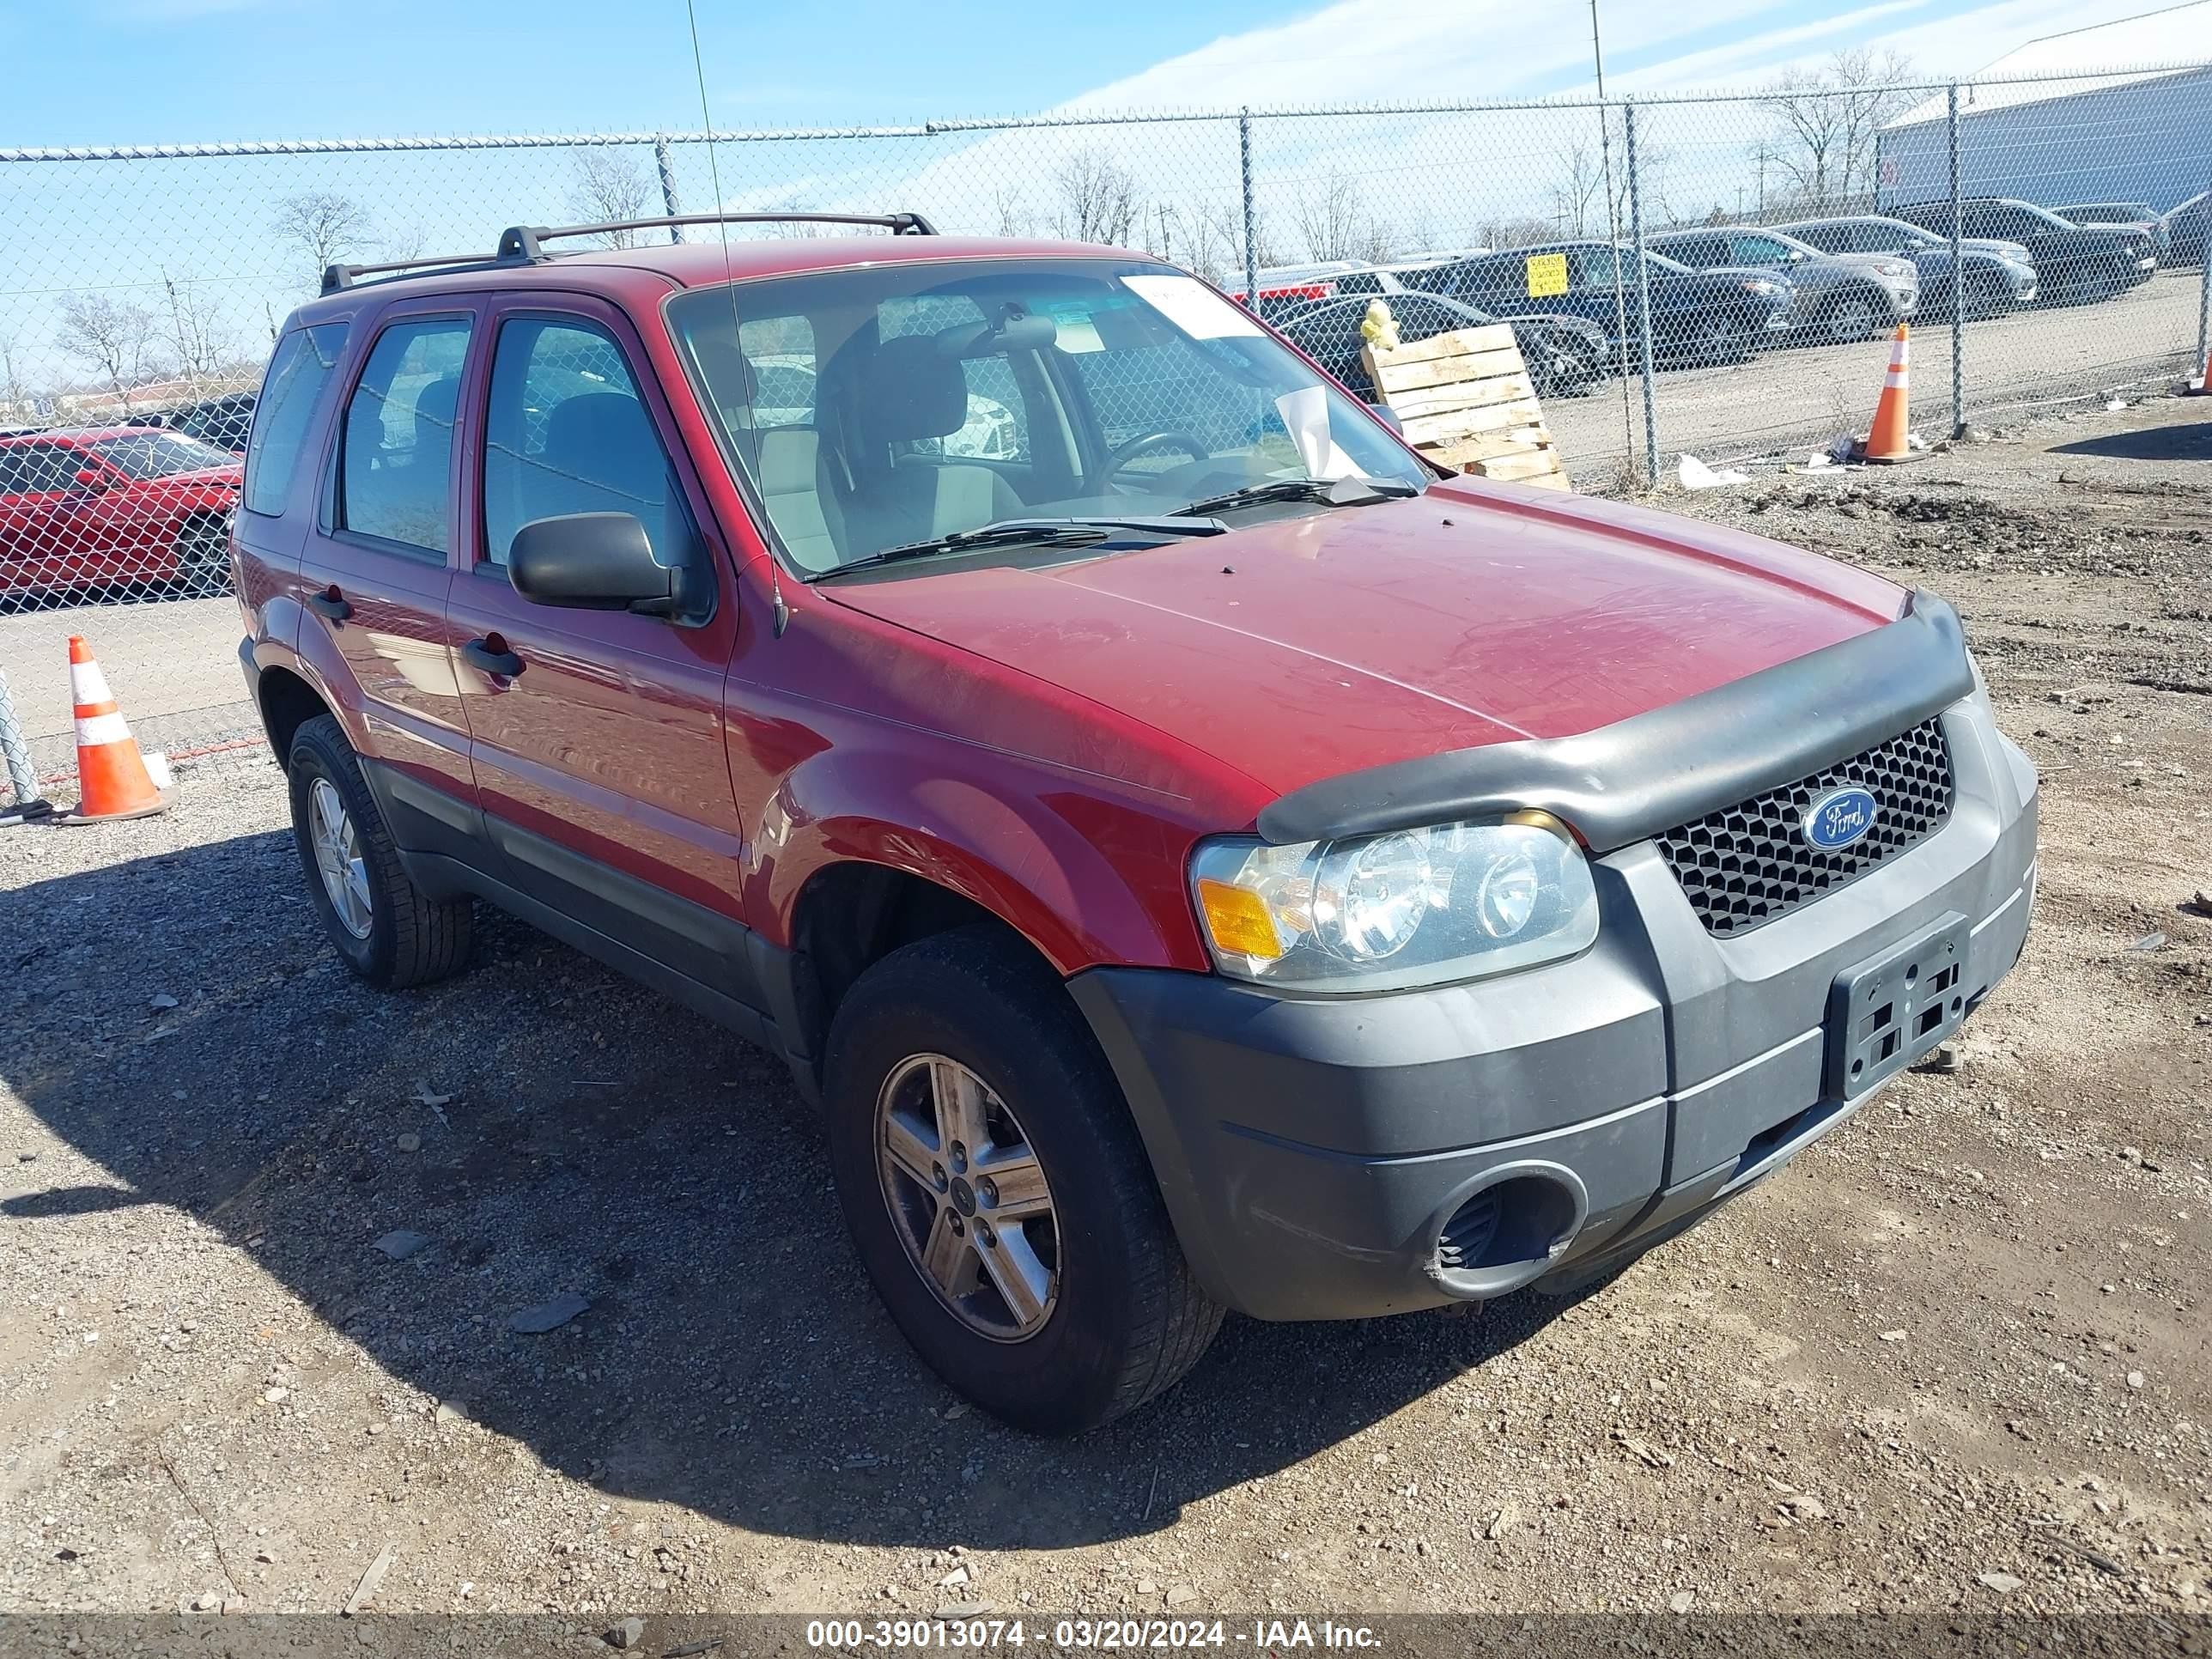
(43, 544)
(598, 735)
(375, 568)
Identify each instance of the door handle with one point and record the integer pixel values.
(330, 603)
(491, 655)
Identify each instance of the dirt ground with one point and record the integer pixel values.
(1952, 1361)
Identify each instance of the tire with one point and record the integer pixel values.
(1718, 337)
(1122, 1318)
(1852, 316)
(409, 938)
(203, 555)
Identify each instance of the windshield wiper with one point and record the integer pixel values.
(1033, 533)
(1330, 492)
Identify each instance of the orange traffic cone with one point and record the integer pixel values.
(2202, 387)
(1889, 441)
(113, 779)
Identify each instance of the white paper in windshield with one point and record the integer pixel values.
(1191, 307)
(1305, 415)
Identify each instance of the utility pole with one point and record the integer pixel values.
(1613, 231)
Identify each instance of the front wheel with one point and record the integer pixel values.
(997, 1191)
(203, 554)
(1852, 317)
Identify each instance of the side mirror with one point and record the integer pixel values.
(1388, 416)
(590, 562)
(91, 478)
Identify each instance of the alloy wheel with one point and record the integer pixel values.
(1852, 319)
(337, 846)
(968, 1197)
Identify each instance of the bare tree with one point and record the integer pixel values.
(324, 226)
(1097, 198)
(13, 398)
(1577, 190)
(609, 185)
(198, 333)
(1829, 121)
(1010, 214)
(1329, 219)
(113, 336)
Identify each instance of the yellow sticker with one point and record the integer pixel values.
(1547, 275)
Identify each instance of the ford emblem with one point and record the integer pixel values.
(1839, 818)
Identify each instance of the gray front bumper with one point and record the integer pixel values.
(1313, 1151)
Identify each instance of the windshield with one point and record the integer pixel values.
(879, 407)
(160, 454)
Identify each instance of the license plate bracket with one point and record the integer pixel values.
(1893, 1008)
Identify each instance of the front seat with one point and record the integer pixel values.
(905, 390)
(786, 461)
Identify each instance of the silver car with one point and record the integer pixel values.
(1840, 297)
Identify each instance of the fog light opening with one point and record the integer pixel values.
(1507, 1234)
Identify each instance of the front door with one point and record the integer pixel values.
(597, 735)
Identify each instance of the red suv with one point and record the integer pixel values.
(1196, 856)
(127, 507)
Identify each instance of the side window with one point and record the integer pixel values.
(37, 469)
(1593, 267)
(289, 394)
(567, 432)
(398, 459)
(779, 356)
(1972, 222)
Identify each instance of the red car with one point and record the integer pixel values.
(129, 508)
(1200, 858)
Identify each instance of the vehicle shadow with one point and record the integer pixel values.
(2182, 440)
(552, 1129)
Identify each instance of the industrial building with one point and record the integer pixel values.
(2099, 121)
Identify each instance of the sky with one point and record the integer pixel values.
(154, 71)
(199, 245)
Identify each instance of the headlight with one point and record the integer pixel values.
(1761, 285)
(1414, 907)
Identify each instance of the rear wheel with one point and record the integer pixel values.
(997, 1191)
(389, 931)
(203, 551)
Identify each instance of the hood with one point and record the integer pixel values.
(1880, 264)
(1302, 649)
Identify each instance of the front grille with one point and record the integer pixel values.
(1750, 863)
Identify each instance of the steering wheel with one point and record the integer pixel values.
(1128, 452)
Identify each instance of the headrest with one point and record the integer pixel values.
(908, 389)
(729, 376)
(602, 438)
(439, 402)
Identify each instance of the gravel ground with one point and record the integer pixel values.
(265, 1235)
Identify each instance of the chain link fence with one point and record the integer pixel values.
(1715, 276)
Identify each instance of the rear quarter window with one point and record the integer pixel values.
(299, 374)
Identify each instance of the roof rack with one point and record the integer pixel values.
(525, 245)
(335, 277)
(525, 242)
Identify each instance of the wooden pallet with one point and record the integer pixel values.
(1465, 402)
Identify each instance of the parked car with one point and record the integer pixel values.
(223, 422)
(1697, 316)
(1846, 296)
(2074, 264)
(1263, 874)
(2184, 228)
(2136, 216)
(1997, 275)
(133, 509)
(1566, 356)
